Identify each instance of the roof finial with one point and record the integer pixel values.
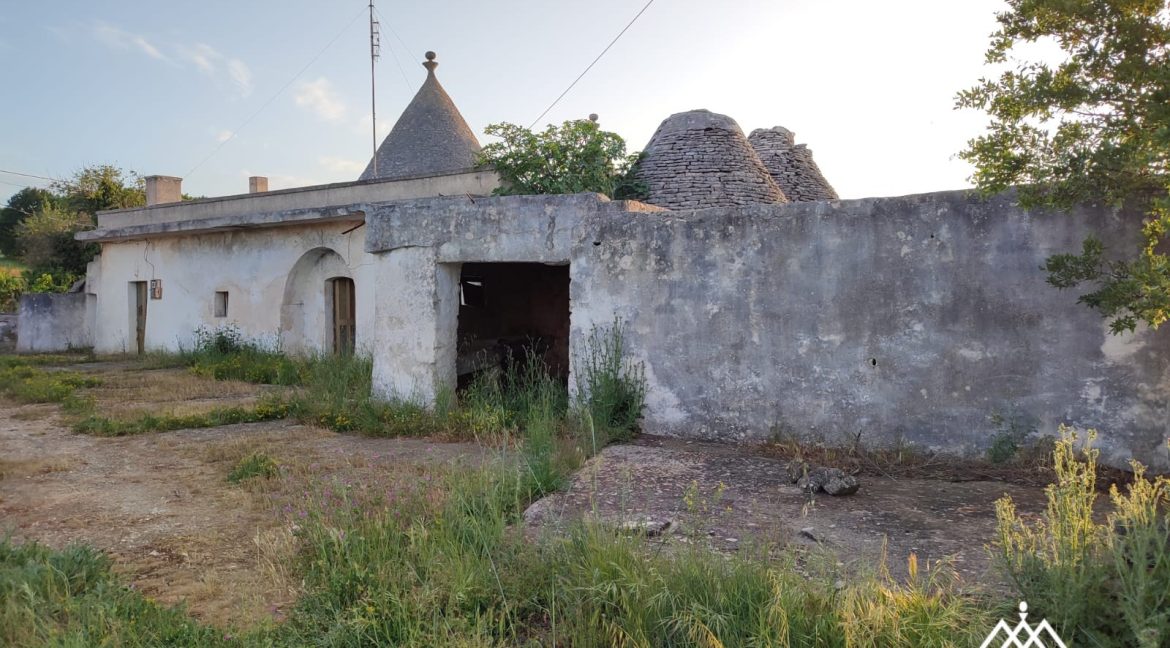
(430, 63)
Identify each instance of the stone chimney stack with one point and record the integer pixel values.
(163, 189)
(257, 184)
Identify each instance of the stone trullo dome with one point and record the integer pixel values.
(791, 165)
(701, 159)
(430, 137)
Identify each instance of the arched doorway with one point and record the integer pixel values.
(308, 312)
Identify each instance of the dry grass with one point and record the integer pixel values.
(1031, 467)
(168, 385)
(128, 395)
(31, 467)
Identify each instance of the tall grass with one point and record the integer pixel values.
(70, 597)
(444, 562)
(1099, 584)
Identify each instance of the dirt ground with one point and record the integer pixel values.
(161, 505)
(731, 496)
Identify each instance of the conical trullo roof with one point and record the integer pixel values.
(700, 159)
(430, 137)
(791, 165)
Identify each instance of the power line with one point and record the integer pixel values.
(278, 92)
(405, 49)
(586, 71)
(14, 184)
(28, 175)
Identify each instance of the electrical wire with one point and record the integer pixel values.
(590, 67)
(28, 175)
(278, 92)
(397, 62)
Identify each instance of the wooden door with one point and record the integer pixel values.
(139, 291)
(344, 316)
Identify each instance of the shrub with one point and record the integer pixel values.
(1012, 431)
(1098, 584)
(12, 286)
(611, 389)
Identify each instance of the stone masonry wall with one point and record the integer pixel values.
(701, 159)
(791, 165)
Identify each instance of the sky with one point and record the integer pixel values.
(215, 91)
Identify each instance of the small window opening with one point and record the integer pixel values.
(221, 303)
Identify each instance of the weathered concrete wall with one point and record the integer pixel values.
(253, 266)
(420, 247)
(475, 183)
(902, 319)
(7, 332)
(50, 322)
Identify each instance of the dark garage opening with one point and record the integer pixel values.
(508, 310)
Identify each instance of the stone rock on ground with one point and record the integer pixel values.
(815, 479)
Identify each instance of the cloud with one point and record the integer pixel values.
(241, 76)
(341, 165)
(318, 97)
(117, 38)
(204, 57)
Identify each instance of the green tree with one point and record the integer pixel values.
(573, 157)
(21, 205)
(46, 239)
(1093, 127)
(101, 187)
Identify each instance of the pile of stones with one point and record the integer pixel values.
(812, 478)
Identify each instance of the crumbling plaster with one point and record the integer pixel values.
(912, 319)
(253, 266)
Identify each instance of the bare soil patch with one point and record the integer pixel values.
(732, 496)
(161, 504)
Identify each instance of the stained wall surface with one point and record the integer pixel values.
(914, 319)
(49, 322)
(921, 319)
(275, 279)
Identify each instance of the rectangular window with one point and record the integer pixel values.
(221, 303)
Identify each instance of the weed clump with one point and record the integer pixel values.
(1101, 584)
(611, 388)
(255, 465)
(224, 353)
(29, 384)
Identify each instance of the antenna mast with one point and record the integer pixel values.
(375, 52)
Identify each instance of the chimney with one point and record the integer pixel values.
(257, 184)
(163, 189)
